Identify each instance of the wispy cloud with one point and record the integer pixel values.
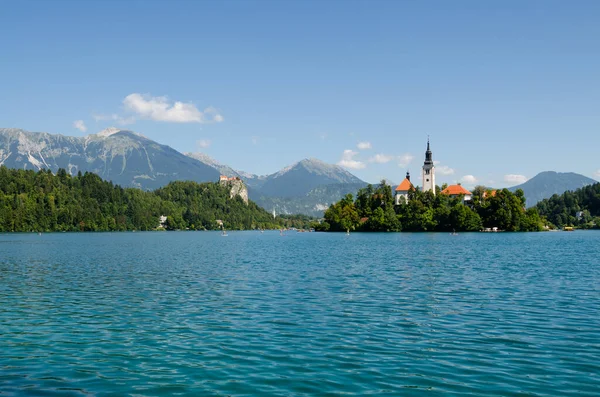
(364, 145)
(469, 179)
(513, 178)
(349, 162)
(444, 170)
(381, 158)
(597, 174)
(203, 143)
(114, 117)
(405, 159)
(162, 109)
(80, 125)
(254, 140)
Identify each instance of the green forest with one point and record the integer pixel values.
(373, 209)
(41, 202)
(579, 208)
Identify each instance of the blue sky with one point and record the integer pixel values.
(505, 89)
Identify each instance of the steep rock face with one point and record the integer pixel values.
(237, 188)
(124, 157)
(547, 183)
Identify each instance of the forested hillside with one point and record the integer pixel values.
(573, 208)
(42, 201)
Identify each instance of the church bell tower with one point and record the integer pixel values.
(428, 171)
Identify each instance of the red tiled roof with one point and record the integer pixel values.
(405, 185)
(492, 193)
(455, 190)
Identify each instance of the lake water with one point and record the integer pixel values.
(195, 313)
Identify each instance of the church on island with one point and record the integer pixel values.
(428, 178)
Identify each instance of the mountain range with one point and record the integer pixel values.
(547, 183)
(124, 157)
(130, 159)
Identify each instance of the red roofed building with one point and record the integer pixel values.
(492, 193)
(401, 192)
(225, 178)
(458, 191)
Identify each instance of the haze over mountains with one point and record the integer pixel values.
(130, 159)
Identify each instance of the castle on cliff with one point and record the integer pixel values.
(237, 186)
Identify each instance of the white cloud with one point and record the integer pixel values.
(114, 117)
(364, 145)
(468, 179)
(349, 162)
(597, 174)
(405, 159)
(80, 125)
(444, 170)
(203, 143)
(161, 109)
(381, 158)
(513, 178)
(254, 140)
(216, 116)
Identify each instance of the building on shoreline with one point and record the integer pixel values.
(401, 192)
(428, 171)
(428, 175)
(457, 191)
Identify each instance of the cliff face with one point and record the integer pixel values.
(238, 188)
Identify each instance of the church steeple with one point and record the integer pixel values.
(428, 171)
(428, 155)
(408, 175)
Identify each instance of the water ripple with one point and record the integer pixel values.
(161, 314)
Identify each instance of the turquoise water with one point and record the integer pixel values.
(194, 313)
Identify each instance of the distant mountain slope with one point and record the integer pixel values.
(314, 203)
(547, 183)
(130, 159)
(307, 187)
(300, 178)
(124, 157)
(252, 181)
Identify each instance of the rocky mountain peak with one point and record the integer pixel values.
(108, 132)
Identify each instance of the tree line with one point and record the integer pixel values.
(374, 209)
(41, 201)
(579, 208)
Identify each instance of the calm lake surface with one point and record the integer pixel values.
(195, 313)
